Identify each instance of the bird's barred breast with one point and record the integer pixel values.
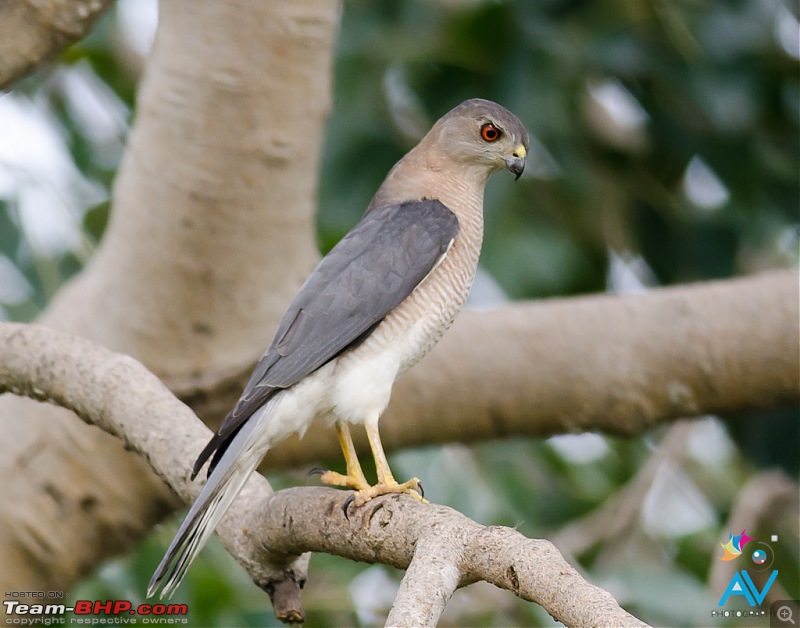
(417, 324)
(363, 377)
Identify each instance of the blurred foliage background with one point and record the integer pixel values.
(665, 149)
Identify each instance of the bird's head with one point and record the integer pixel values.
(480, 133)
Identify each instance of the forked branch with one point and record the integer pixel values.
(269, 533)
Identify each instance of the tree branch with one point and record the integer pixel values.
(112, 391)
(268, 532)
(430, 580)
(613, 364)
(32, 32)
(398, 531)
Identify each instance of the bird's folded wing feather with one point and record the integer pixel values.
(363, 278)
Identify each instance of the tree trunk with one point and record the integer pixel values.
(210, 236)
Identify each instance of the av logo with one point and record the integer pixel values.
(742, 584)
(758, 560)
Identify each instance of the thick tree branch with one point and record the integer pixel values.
(614, 364)
(398, 531)
(268, 532)
(117, 394)
(32, 32)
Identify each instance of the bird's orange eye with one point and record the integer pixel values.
(490, 133)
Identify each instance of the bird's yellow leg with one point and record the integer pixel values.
(355, 476)
(386, 482)
(381, 464)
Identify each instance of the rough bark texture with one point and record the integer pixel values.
(452, 549)
(211, 234)
(32, 31)
(266, 532)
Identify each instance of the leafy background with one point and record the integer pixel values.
(664, 150)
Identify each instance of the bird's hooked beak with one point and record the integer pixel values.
(515, 164)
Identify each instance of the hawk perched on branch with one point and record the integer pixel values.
(374, 306)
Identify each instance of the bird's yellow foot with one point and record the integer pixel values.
(412, 487)
(355, 479)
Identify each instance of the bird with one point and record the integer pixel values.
(373, 307)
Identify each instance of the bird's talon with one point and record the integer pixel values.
(346, 505)
(420, 490)
(314, 471)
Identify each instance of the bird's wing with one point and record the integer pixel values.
(363, 278)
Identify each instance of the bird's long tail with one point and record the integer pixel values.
(226, 481)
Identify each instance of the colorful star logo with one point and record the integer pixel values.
(733, 548)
